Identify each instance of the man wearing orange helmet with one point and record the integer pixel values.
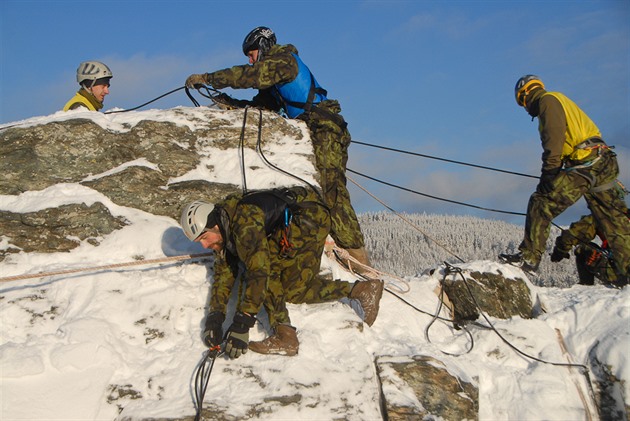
(576, 162)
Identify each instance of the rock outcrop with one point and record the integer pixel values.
(153, 161)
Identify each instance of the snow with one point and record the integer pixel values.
(80, 346)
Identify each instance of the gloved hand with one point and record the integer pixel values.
(213, 333)
(195, 81)
(237, 339)
(545, 185)
(226, 102)
(557, 255)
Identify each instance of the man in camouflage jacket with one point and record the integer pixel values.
(273, 240)
(576, 162)
(286, 85)
(592, 260)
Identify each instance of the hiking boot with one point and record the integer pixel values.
(369, 294)
(519, 261)
(283, 342)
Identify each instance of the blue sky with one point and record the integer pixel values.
(433, 77)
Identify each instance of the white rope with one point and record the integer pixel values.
(406, 220)
(112, 266)
(590, 406)
(337, 253)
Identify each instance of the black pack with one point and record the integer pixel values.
(279, 205)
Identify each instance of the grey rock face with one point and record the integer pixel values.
(142, 166)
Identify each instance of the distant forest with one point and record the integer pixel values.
(426, 241)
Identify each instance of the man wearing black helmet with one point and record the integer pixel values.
(576, 162)
(93, 77)
(287, 85)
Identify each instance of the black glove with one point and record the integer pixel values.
(545, 185)
(196, 81)
(237, 339)
(557, 255)
(213, 333)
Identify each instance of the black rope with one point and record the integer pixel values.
(434, 197)
(212, 94)
(437, 312)
(241, 145)
(445, 160)
(454, 269)
(581, 241)
(262, 155)
(192, 98)
(147, 103)
(202, 377)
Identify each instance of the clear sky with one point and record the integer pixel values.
(432, 77)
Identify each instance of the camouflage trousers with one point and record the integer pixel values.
(295, 278)
(331, 139)
(591, 259)
(607, 207)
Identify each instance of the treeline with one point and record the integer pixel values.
(425, 241)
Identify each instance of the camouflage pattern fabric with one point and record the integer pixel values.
(331, 139)
(295, 279)
(582, 231)
(580, 235)
(608, 209)
(268, 278)
(329, 133)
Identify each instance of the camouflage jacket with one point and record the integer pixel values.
(278, 66)
(249, 229)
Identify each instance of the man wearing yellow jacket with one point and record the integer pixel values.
(94, 77)
(576, 162)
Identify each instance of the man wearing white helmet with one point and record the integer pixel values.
(93, 77)
(272, 240)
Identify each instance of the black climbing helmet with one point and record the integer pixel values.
(261, 39)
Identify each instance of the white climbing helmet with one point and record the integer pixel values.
(195, 218)
(92, 70)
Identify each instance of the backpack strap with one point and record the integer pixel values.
(306, 106)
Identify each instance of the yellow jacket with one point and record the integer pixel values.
(578, 128)
(83, 98)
